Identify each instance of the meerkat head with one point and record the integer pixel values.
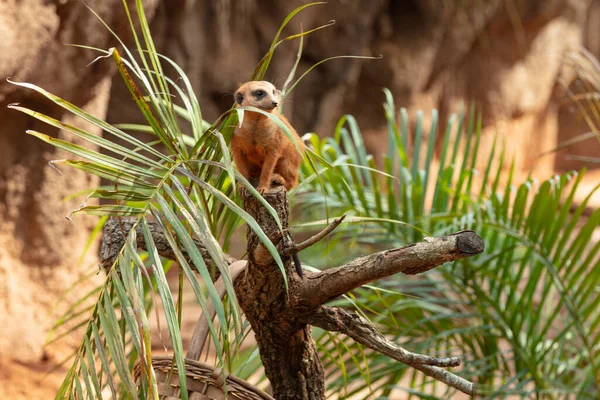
(259, 94)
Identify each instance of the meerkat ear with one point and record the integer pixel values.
(239, 97)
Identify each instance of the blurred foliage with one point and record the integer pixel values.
(584, 92)
(523, 316)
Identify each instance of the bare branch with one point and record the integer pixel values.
(319, 236)
(413, 259)
(202, 329)
(116, 230)
(335, 319)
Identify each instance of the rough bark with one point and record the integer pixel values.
(288, 353)
(115, 233)
(412, 259)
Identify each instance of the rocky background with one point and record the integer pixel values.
(506, 56)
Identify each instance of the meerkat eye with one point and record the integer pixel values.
(273, 91)
(259, 93)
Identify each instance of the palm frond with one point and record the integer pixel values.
(186, 190)
(526, 309)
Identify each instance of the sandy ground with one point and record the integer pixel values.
(29, 381)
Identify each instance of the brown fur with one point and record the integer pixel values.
(261, 151)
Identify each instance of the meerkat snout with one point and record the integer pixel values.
(239, 97)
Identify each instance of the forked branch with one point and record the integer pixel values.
(335, 319)
(316, 238)
(290, 314)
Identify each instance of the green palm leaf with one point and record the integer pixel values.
(529, 304)
(187, 191)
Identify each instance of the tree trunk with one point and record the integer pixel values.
(288, 353)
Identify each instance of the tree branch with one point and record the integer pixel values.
(202, 329)
(335, 319)
(319, 288)
(319, 236)
(116, 230)
(287, 350)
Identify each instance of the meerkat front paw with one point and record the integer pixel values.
(262, 189)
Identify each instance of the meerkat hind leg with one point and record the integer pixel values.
(266, 174)
(288, 172)
(277, 180)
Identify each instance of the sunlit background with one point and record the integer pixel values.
(528, 67)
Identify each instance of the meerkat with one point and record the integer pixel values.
(260, 149)
(262, 152)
